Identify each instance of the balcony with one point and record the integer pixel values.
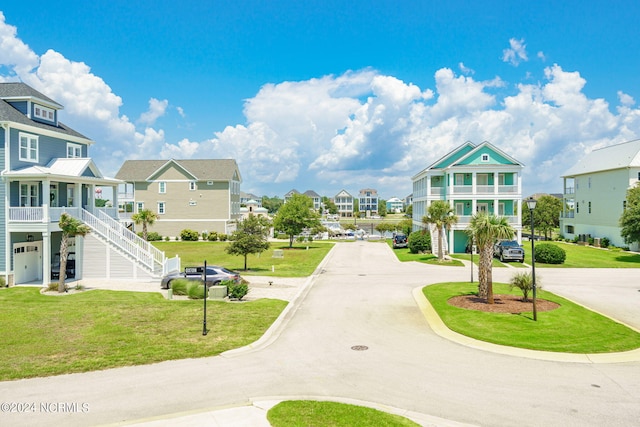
(485, 189)
(44, 214)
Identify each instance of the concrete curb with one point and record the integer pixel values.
(438, 326)
(280, 323)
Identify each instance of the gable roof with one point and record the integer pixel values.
(8, 113)
(199, 169)
(19, 90)
(466, 152)
(618, 156)
(77, 168)
(311, 194)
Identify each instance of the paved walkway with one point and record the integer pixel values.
(355, 333)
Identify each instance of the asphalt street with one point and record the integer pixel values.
(356, 333)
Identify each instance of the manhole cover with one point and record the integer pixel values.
(359, 348)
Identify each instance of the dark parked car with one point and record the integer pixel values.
(508, 250)
(215, 275)
(399, 241)
(71, 266)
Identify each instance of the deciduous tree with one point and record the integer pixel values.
(251, 237)
(296, 215)
(630, 219)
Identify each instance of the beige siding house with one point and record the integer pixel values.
(200, 195)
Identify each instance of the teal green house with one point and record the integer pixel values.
(472, 178)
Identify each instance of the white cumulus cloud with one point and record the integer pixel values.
(515, 53)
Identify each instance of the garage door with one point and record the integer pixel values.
(27, 262)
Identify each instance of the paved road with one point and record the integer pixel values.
(363, 297)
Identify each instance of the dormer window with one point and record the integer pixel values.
(28, 147)
(43, 113)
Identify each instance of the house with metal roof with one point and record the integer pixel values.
(201, 195)
(47, 170)
(472, 178)
(595, 192)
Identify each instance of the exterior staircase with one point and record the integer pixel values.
(111, 250)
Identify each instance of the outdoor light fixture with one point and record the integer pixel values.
(531, 204)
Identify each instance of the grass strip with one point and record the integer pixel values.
(569, 329)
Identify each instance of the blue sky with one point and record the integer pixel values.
(334, 95)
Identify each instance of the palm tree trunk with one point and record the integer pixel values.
(64, 247)
(485, 279)
(440, 251)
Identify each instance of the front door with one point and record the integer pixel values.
(483, 207)
(53, 195)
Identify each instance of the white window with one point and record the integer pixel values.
(73, 150)
(162, 187)
(501, 209)
(459, 179)
(70, 192)
(484, 158)
(161, 208)
(43, 112)
(139, 206)
(29, 195)
(460, 209)
(501, 179)
(192, 185)
(28, 147)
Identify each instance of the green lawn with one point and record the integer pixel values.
(496, 262)
(299, 261)
(50, 335)
(570, 328)
(587, 257)
(404, 255)
(303, 413)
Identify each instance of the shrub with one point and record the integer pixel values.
(300, 239)
(419, 241)
(3, 282)
(166, 239)
(223, 237)
(213, 236)
(524, 282)
(205, 235)
(179, 286)
(189, 235)
(236, 290)
(195, 290)
(547, 253)
(153, 236)
(605, 242)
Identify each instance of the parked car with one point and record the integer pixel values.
(71, 266)
(215, 275)
(400, 241)
(508, 250)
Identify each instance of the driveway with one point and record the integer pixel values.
(357, 333)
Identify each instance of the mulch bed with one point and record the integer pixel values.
(502, 304)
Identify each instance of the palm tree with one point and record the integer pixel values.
(441, 215)
(144, 217)
(70, 227)
(485, 229)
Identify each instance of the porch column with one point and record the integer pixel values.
(77, 195)
(46, 200)
(518, 206)
(428, 189)
(116, 204)
(474, 183)
(46, 258)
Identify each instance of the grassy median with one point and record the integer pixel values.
(570, 328)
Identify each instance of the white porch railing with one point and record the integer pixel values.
(125, 239)
(26, 214)
(171, 265)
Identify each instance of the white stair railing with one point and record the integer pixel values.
(125, 239)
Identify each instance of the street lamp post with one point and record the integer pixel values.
(531, 203)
